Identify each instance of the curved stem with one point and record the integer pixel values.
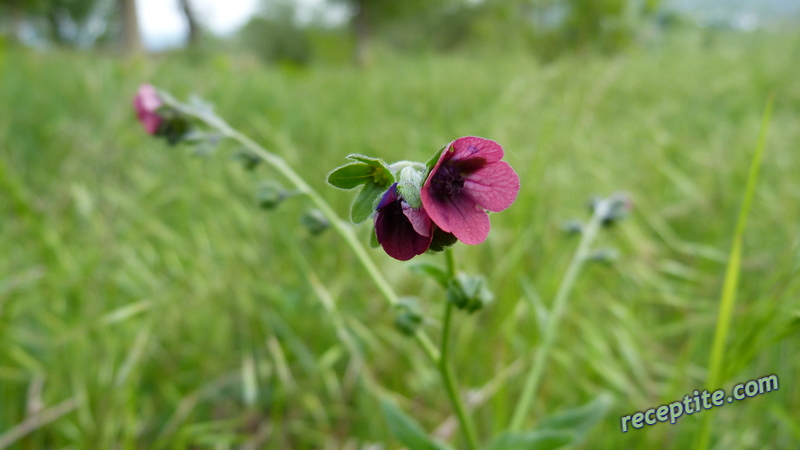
(559, 307)
(344, 229)
(446, 371)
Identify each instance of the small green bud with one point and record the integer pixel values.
(315, 221)
(249, 161)
(270, 194)
(572, 227)
(604, 255)
(409, 184)
(468, 292)
(408, 315)
(611, 209)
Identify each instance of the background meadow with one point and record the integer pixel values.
(141, 283)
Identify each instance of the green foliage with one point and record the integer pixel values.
(150, 286)
(407, 430)
(277, 40)
(373, 173)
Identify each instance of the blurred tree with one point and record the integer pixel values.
(191, 21)
(131, 39)
(369, 14)
(274, 35)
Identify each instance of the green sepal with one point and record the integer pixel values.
(442, 240)
(365, 202)
(352, 175)
(432, 162)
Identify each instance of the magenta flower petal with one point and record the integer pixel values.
(419, 219)
(458, 215)
(146, 104)
(467, 179)
(494, 187)
(471, 147)
(395, 230)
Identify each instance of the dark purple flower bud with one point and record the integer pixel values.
(403, 232)
(146, 104)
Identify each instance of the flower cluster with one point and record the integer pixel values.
(157, 118)
(427, 207)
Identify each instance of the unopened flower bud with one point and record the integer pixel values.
(468, 292)
(270, 194)
(604, 255)
(408, 315)
(315, 221)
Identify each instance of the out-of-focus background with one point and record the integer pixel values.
(147, 302)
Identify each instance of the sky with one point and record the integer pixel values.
(163, 25)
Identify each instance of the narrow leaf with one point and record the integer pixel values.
(578, 420)
(407, 430)
(532, 440)
(433, 271)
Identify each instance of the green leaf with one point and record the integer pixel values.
(532, 440)
(374, 162)
(407, 430)
(365, 202)
(433, 271)
(351, 175)
(383, 175)
(578, 420)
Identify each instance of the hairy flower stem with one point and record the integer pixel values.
(344, 229)
(588, 236)
(446, 370)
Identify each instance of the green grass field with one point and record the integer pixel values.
(144, 287)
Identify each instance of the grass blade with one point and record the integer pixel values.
(732, 276)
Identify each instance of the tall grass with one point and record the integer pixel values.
(145, 285)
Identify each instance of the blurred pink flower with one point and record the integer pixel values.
(146, 104)
(469, 179)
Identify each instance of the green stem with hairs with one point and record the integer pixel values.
(588, 236)
(446, 370)
(341, 227)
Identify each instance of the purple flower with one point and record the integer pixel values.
(403, 232)
(146, 104)
(469, 179)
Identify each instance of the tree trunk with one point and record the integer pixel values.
(194, 28)
(17, 20)
(131, 40)
(361, 27)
